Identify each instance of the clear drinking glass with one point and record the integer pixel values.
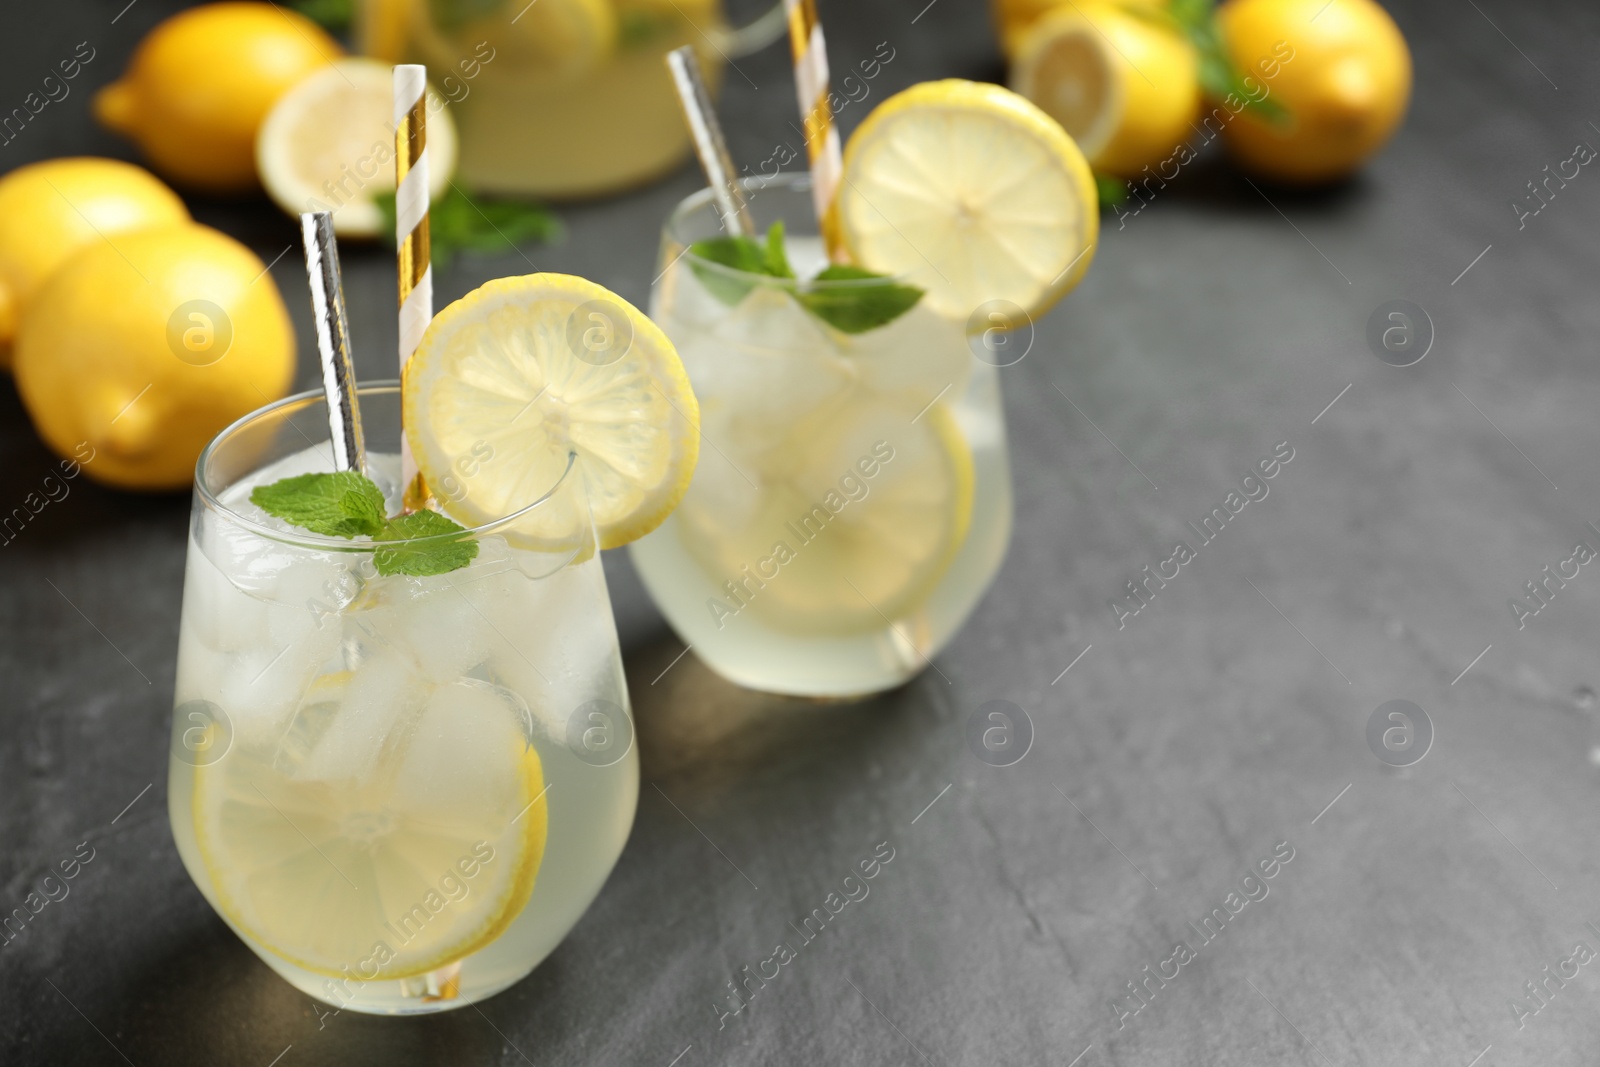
(853, 498)
(400, 792)
(561, 98)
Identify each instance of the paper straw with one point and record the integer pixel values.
(333, 341)
(709, 144)
(411, 238)
(811, 83)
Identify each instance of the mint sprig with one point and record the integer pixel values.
(335, 16)
(459, 222)
(1219, 76)
(853, 309)
(857, 309)
(348, 504)
(421, 560)
(1111, 189)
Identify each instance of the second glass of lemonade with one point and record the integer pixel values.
(400, 791)
(853, 498)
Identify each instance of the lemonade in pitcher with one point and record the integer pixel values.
(403, 761)
(560, 98)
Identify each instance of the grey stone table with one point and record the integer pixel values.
(1029, 912)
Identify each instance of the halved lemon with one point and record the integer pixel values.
(1124, 85)
(850, 522)
(523, 373)
(390, 870)
(328, 145)
(973, 191)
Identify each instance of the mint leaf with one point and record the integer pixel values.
(348, 504)
(458, 222)
(1196, 19)
(1112, 190)
(345, 504)
(858, 308)
(744, 255)
(395, 556)
(775, 260)
(335, 16)
(853, 309)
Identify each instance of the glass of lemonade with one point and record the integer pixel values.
(401, 792)
(853, 500)
(561, 98)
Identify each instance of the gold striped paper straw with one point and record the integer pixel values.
(333, 341)
(709, 143)
(812, 84)
(411, 238)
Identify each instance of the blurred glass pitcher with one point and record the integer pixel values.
(560, 98)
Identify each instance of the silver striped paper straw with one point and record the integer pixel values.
(709, 144)
(411, 239)
(333, 341)
(811, 84)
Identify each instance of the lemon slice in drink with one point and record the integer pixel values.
(328, 145)
(972, 190)
(389, 871)
(1124, 85)
(523, 373)
(850, 522)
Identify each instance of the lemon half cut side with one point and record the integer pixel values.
(328, 145)
(1125, 86)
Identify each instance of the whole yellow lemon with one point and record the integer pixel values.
(50, 210)
(1342, 72)
(200, 84)
(146, 348)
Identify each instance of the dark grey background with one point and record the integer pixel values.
(1173, 756)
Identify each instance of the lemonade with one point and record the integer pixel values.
(854, 498)
(560, 98)
(401, 791)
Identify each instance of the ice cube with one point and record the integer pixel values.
(457, 758)
(257, 687)
(218, 613)
(339, 735)
(761, 369)
(431, 622)
(558, 644)
(915, 358)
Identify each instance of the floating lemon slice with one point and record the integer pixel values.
(869, 509)
(523, 373)
(328, 145)
(1124, 85)
(972, 190)
(395, 868)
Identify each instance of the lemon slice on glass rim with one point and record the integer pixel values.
(523, 375)
(972, 191)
